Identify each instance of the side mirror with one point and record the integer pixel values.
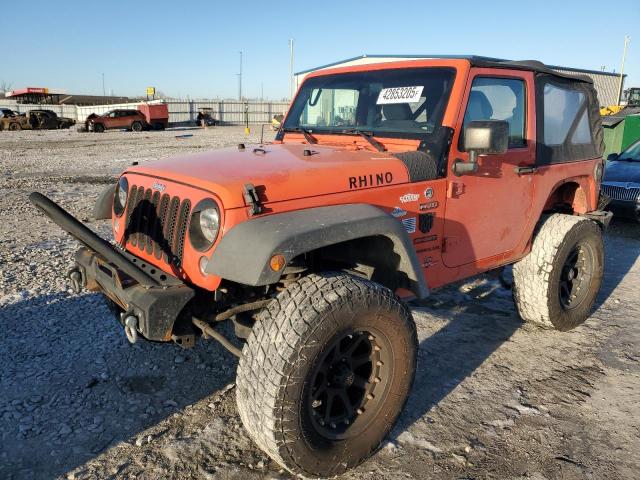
(482, 137)
(612, 157)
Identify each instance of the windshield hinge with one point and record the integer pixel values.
(251, 199)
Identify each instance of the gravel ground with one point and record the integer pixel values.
(493, 398)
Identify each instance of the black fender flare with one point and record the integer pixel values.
(104, 203)
(244, 252)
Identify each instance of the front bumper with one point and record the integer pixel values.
(620, 208)
(155, 307)
(153, 297)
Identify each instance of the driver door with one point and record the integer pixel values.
(486, 212)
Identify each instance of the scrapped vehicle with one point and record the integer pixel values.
(144, 117)
(36, 120)
(121, 119)
(385, 182)
(204, 118)
(6, 113)
(621, 182)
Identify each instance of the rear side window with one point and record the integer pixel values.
(494, 98)
(569, 128)
(565, 112)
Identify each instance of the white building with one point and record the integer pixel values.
(605, 83)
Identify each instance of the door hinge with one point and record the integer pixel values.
(455, 189)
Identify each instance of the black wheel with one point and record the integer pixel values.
(98, 127)
(325, 373)
(15, 127)
(136, 126)
(556, 285)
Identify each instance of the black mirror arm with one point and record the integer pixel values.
(464, 168)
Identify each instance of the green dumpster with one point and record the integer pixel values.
(620, 132)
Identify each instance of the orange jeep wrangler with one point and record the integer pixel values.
(385, 182)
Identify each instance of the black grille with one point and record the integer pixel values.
(617, 192)
(157, 224)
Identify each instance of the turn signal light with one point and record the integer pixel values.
(277, 263)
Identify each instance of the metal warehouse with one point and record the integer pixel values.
(605, 83)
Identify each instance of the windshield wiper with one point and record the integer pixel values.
(368, 136)
(307, 134)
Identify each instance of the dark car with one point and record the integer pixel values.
(205, 116)
(621, 182)
(36, 120)
(128, 119)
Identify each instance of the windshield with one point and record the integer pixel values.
(631, 154)
(405, 103)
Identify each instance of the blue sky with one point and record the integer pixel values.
(191, 47)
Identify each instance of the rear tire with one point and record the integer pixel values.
(136, 127)
(556, 284)
(325, 373)
(15, 127)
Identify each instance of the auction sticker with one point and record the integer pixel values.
(400, 95)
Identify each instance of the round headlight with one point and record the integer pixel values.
(210, 223)
(204, 225)
(120, 196)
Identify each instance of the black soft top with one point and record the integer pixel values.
(530, 65)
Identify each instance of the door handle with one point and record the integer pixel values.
(525, 170)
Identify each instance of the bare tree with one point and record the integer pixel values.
(5, 86)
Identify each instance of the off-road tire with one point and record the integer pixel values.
(15, 127)
(98, 128)
(136, 127)
(291, 338)
(538, 276)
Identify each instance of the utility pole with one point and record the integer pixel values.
(261, 91)
(103, 90)
(240, 79)
(290, 68)
(627, 38)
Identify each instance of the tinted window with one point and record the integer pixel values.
(565, 113)
(499, 99)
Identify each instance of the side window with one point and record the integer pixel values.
(499, 99)
(565, 114)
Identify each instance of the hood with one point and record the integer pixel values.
(283, 171)
(622, 172)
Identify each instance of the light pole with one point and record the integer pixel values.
(103, 90)
(290, 68)
(627, 38)
(240, 79)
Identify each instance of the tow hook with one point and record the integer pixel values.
(75, 277)
(131, 327)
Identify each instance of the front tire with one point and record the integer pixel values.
(556, 284)
(15, 127)
(325, 373)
